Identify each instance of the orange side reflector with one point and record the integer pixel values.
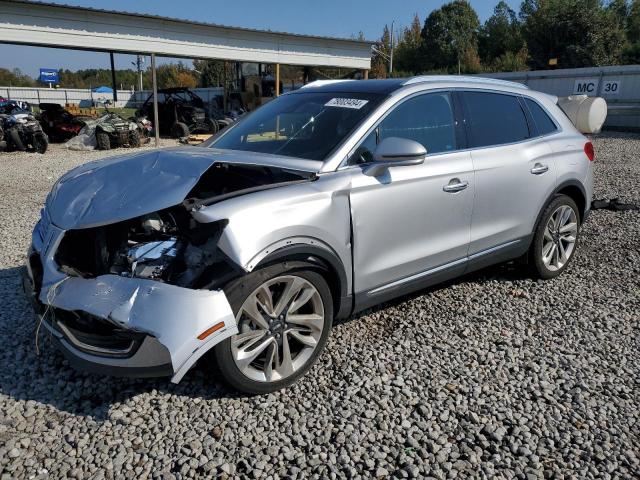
(210, 330)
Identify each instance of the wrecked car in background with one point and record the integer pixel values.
(58, 123)
(323, 202)
(180, 113)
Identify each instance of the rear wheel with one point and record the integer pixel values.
(556, 238)
(284, 314)
(103, 142)
(212, 126)
(40, 142)
(179, 130)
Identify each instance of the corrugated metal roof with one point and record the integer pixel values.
(192, 22)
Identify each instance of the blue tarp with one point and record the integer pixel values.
(102, 89)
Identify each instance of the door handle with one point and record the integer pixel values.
(455, 185)
(539, 169)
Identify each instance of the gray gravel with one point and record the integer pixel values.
(492, 375)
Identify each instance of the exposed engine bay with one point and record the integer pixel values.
(169, 245)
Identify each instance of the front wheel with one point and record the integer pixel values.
(556, 238)
(103, 142)
(40, 142)
(284, 314)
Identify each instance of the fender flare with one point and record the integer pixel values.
(317, 250)
(561, 186)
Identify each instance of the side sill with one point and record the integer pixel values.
(365, 300)
(500, 254)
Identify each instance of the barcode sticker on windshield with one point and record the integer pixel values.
(346, 103)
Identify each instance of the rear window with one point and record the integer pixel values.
(495, 119)
(544, 124)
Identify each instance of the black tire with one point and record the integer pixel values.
(40, 142)
(14, 139)
(134, 139)
(212, 126)
(239, 290)
(179, 130)
(536, 264)
(103, 142)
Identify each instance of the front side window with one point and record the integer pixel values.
(307, 125)
(495, 119)
(427, 119)
(544, 124)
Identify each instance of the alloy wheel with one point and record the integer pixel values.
(280, 325)
(559, 239)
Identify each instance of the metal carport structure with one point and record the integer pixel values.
(63, 26)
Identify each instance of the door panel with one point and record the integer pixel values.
(514, 173)
(512, 184)
(405, 223)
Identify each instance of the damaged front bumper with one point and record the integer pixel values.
(124, 326)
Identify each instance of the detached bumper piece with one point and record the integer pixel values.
(93, 345)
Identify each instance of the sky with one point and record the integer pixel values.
(334, 18)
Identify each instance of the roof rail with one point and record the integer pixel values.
(462, 78)
(320, 83)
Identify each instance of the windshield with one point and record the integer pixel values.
(302, 125)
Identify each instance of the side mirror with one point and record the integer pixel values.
(395, 152)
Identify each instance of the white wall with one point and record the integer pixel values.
(126, 98)
(623, 103)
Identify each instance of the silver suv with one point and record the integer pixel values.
(322, 203)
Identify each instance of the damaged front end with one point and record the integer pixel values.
(141, 296)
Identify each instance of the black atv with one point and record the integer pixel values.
(21, 131)
(180, 113)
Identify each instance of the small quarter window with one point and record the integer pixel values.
(543, 122)
(495, 119)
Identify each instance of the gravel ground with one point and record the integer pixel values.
(491, 375)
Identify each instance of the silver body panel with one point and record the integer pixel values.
(385, 230)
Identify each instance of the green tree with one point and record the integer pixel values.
(379, 62)
(176, 75)
(211, 72)
(633, 22)
(449, 34)
(619, 10)
(406, 56)
(15, 78)
(579, 33)
(500, 34)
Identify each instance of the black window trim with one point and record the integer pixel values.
(546, 112)
(499, 92)
(502, 92)
(461, 141)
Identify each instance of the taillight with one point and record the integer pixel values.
(589, 151)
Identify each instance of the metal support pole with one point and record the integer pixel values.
(391, 53)
(365, 74)
(113, 80)
(154, 80)
(277, 79)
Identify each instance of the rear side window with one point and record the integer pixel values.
(543, 122)
(495, 119)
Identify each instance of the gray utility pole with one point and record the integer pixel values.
(138, 63)
(391, 53)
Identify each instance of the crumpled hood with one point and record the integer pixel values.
(124, 187)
